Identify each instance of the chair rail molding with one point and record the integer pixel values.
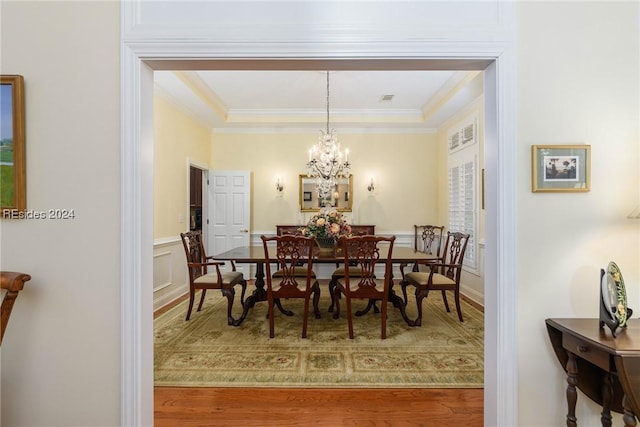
(151, 40)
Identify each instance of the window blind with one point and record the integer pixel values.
(462, 205)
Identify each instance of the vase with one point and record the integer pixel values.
(326, 246)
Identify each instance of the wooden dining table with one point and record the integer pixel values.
(255, 255)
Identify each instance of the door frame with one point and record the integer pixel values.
(205, 176)
(501, 391)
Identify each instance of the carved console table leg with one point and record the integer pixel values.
(572, 394)
(607, 393)
(629, 418)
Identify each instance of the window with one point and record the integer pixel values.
(463, 190)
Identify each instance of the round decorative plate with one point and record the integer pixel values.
(609, 296)
(614, 274)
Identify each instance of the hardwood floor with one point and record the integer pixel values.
(179, 406)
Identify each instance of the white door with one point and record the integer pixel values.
(229, 211)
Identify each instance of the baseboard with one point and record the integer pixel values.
(169, 297)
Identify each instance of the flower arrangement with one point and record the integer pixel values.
(331, 224)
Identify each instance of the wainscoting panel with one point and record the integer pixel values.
(170, 280)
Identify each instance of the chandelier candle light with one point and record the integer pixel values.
(326, 163)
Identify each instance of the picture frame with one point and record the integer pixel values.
(307, 196)
(12, 145)
(560, 168)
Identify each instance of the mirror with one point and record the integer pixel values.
(341, 200)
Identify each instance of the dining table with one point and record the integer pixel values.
(254, 254)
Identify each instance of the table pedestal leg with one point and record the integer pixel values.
(572, 393)
(259, 294)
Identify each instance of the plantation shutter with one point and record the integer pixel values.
(462, 204)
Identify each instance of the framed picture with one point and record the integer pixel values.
(560, 168)
(12, 144)
(307, 196)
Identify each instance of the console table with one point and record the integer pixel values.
(605, 368)
(357, 230)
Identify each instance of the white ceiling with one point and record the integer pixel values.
(258, 99)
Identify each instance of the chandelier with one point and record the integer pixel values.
(326, 163)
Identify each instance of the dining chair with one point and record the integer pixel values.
(426, 239)
(443, 275)
(356, 271)
(200, 279)
(12, 283)
(293, 277)
(361, 255)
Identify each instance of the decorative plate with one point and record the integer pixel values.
(619, 299)
(609, 297)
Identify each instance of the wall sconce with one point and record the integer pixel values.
(371, 187)
(279, 187)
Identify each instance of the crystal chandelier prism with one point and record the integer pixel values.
(326, 162)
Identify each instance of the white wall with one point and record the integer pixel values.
(61, 351)
(578, 82)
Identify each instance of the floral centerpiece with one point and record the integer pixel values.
(326, 227)
(329, 224)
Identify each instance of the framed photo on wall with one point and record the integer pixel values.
(12, 144)
(560, 168)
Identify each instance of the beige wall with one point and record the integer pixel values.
(403, 166)
(178, 139)
(61, 351)
(577, 82)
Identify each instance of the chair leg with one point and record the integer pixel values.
(282, 309)
(316, 299)
(204, 292)
(229, 294)
(192, 295)
(444, 298)
(457, 297)
(383, 311)
(305, 317)
(332, 286)
(270, 314)
(421, 294)
(349, 317)
(336, 302)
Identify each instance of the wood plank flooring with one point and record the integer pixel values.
(292, 407)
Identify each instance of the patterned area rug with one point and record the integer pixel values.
(442, 353)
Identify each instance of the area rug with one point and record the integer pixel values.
(205, 352)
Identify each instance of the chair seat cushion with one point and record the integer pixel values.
(422, 279)
(230, 277)
(297, 271)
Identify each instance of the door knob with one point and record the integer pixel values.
(244, 231)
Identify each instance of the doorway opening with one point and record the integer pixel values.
(137, 342)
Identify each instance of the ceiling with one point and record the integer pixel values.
(297, 99)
